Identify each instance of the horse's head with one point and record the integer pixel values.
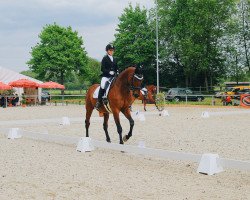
(136, 81)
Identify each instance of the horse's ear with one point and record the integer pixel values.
(139, 69)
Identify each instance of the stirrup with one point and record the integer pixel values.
(105, 101)
(98, 105)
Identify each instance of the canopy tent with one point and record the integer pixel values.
(52, 85)
(24, 83)
(4, 86)
(7, 76)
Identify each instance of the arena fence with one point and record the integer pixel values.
(207, 114)
(212, 166)
(137, 115)
(64, 100)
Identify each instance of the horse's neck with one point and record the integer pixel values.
(122, 79)
(121, 83)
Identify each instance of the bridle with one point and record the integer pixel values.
(132, 87)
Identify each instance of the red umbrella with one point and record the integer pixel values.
(24, 83)
(52, 85)
(4, 86)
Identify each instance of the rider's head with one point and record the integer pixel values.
(110, 49)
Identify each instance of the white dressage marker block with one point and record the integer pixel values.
(14, 133)
(205, 114)
(209, 164)
(164, 113)
(85, 145)
(141, 144)
(65, 121)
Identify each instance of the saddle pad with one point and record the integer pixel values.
(95, 95)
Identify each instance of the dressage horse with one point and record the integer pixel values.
(123, 92)
(149, 97)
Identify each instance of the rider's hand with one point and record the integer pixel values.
(112, 73)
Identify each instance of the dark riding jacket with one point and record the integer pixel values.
(107, 66)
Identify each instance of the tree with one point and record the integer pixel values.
(189, 34)
(93, 72)
(244, 11)
(134, 41)
(59, 53)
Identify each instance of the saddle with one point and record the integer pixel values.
(105, 96)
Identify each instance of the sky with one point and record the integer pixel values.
(21, 21)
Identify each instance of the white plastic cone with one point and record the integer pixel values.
(165, 113)
(209, 164)
(205, 114)
(85, 145)
(65, 121)
(14, 133)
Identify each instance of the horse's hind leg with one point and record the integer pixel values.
(105, 126)
(89, 111)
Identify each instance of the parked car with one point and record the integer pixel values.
(236, 89)
(240, 92)
(181, 94)
(45, 96)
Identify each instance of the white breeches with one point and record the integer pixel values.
(103, 81)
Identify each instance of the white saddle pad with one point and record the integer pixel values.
(95, 95)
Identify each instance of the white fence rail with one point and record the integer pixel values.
(156, 153)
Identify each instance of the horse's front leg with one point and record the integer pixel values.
(131, 122)
(105, 126)
(118, 125)
(89, 111)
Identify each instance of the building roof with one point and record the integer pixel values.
(7, 76)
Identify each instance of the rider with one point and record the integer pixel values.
(109, 69)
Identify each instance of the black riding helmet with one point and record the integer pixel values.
(109, 47)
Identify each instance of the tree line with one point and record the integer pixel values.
(201, 43)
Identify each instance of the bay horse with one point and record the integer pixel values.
(123, 92)
(150, 97)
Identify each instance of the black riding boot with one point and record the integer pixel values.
(99, 101)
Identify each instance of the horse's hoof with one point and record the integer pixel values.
(124, 138)
(109, 141)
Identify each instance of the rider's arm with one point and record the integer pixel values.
(105, 68)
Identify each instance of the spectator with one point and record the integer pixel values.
(1, 100)
(228, 100)
(15, 100)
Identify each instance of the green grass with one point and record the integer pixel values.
(67, 92)
(206, 101)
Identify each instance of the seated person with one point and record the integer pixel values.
(1, 100)
(15, 100)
